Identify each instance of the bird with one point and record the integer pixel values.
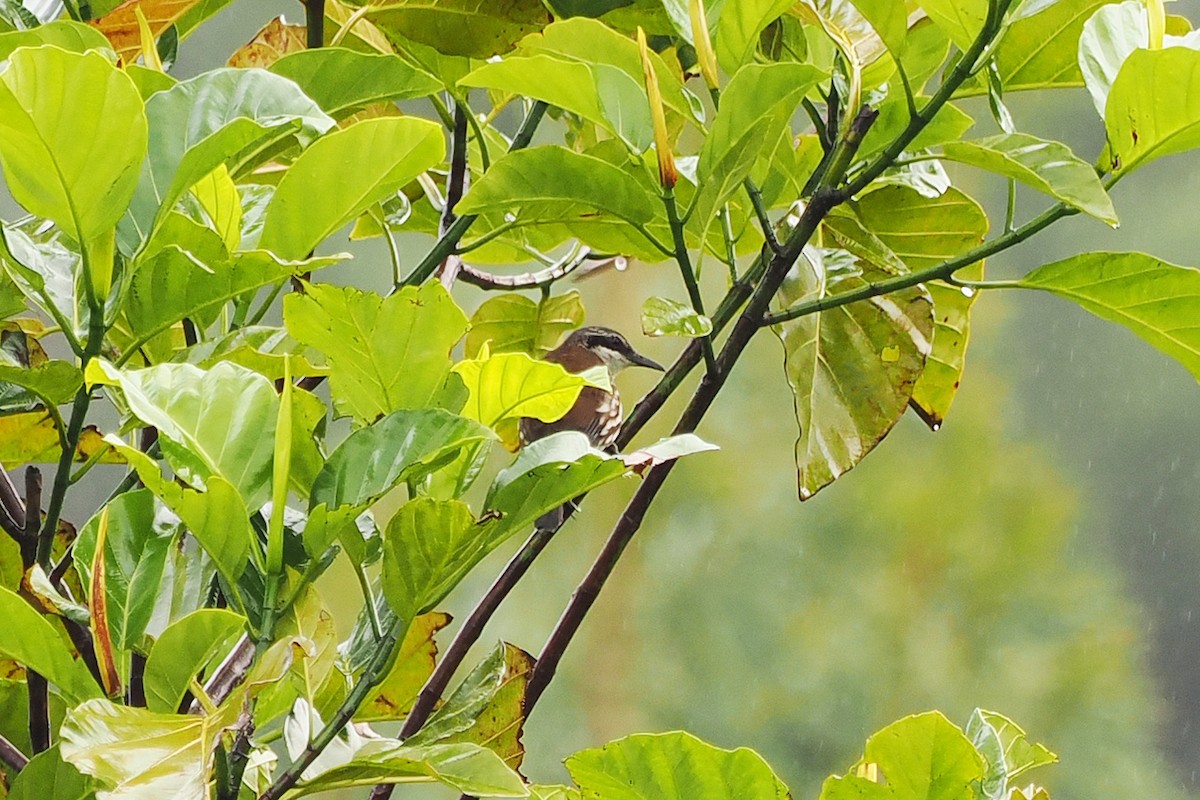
(597, 413)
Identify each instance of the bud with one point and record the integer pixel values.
(1157, 18)
(149, 46)
(667, 174)
(705, 57)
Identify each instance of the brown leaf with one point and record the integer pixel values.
(98, 602)
(273, 42)
(500, 726)
(418, 655)
(121, 25)
(30, 438)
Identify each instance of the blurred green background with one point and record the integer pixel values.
(1038, 556)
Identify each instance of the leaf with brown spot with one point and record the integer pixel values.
(31, 439)
(501, 723)
(273, 42)
(98, 601)
(418, 655)
(121, 24)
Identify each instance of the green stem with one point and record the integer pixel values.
(62, 476)
(444, 246)
(916, 123)
(366, 682)
(760, 212)
(940, 272)
(689, 274)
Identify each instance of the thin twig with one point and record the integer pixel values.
(12, 756)
(12, 510)
(33, 516)
(687, 272)
(345, 712)
(449, 240)
(456, 186)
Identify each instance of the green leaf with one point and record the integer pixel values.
(342, 81)
(673, 766)
(512, 323)
(1154, 107)
(384, 354)
(543, 792)
(198, 13)
(44, 269)
(217, 518)
(405, 445)
(146, 753)
(428, 547)
(662, 316)
(499, 722)
(600, 93)
(591, 42)
(1041, 51)
(74, 163)
(64, 34)
(211, 423)
(1158, 301)
(1005, 748)
(47, 776)
(224, 116)
(553, 184)
(342, 175)
(183, 650)
(261, 348)
(547, 473)
(51, 383)
(960, 19)
(948, 125)
(33, 439)
(921, 756)
(853, 368)
(175, 283)
(487, 707)
(468, 768)
(32, 641)
(135, 555)
(1108, 37)
(476, 28)
(756, 109)
(924, 232)
(1048, 166)
(507, 386)
(889, 19)
(396, 693)
(739, 27)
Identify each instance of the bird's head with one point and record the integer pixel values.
(613, 349)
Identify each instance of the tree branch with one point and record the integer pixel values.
(12, 756)
(456, 186)
(33, 517)
(314, 20)
(12, 510)
(39, 711)
(449, 240)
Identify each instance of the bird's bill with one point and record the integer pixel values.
(639, 360)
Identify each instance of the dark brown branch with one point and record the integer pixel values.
(12, 756)
(33, 516)
(39, 711)
(12, 510)
(456, 187)
(314, 20)
(447, 242)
